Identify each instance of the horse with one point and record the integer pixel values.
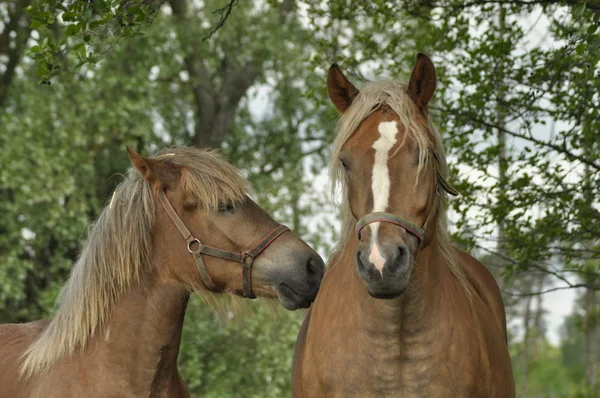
(400, 312)
(180, 222)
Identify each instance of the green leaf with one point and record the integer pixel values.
(69, 16)
(72, 30)
(35, 23)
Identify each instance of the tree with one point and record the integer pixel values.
(575, 341)
(236, 64)
(547, 376)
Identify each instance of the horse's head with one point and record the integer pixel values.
(208, 234)
(391, 172)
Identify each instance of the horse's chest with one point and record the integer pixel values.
(415, 366)
(385, 367)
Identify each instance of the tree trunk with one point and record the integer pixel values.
(502, 162)
(215, 99)
(526, 340)
(538, 327)
(18, 23)
(590, 324)
(590, 263)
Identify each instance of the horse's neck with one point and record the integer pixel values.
(395, 331)
(140, 343)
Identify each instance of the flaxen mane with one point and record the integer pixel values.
(394, 95)
(118, 251)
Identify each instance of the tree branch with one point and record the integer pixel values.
(224, 13)
(460, 5)
(559, 148)
(554, 289)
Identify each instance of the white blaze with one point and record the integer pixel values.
(380, 184)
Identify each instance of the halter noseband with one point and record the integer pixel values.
(197, 249)
(418, 232)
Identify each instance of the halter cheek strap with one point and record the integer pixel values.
(197, 249)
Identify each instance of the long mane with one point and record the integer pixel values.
(118, 251)
(372, 97)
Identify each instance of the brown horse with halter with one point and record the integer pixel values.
(401, 312)
(181, 222)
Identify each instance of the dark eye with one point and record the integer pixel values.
(226, 207)
(344, 165)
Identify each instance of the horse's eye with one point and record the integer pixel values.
(344, 165)
(226, 207)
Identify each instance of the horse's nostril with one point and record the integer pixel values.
(359, 262)
(401, 260)
(401, 251)
(311, 267)
(314, 267)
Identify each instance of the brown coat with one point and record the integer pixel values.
(431, 342)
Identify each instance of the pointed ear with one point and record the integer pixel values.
(422, 81)
(341, 91)
(157, 173)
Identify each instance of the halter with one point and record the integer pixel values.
(197, 249)
(418, 232)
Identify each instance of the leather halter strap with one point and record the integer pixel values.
(418, 232)
(370, 218)
(197, 249)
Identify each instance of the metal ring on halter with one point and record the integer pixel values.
(190, 243)
(247, 256)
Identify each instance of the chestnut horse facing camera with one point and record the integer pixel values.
(181, 222)
(401, 312)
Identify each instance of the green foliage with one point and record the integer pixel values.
(573, 347)
(238, 356)
(86, 30)
(546, 376)
(54, 172)
(63, 144)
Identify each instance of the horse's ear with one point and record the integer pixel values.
(157, 173)
(422, 81)
(341, 91)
